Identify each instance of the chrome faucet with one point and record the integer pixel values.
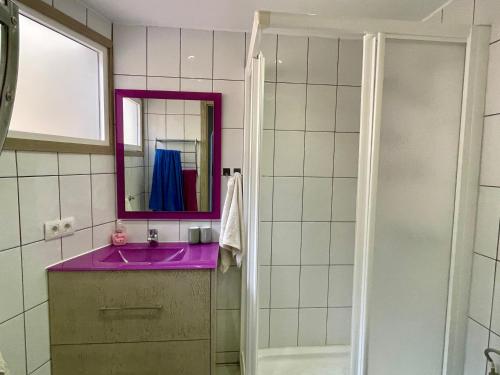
(153, 237)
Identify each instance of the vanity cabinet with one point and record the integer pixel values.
(148, 322)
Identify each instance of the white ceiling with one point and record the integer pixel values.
(238, 14)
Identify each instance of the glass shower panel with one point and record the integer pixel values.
(419, 140)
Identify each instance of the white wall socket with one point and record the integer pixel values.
(59, 228)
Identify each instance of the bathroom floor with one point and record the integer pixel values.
(227, 370)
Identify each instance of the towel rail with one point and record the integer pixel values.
(195, 152)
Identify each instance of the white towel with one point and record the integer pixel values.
(3, 366)
(232, 231)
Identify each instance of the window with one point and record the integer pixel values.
(132, 124)
(62, 90)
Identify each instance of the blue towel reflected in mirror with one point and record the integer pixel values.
(167, 187)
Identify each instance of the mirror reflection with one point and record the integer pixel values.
(168, 154)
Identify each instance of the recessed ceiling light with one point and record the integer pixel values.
(190, 57)
(280, 61)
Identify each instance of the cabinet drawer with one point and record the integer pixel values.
(129, 306)
(148, 358)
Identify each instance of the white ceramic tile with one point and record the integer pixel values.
(339, 326)
(98, 23)
(317, 199)
(312, 327)
(492, 87)
(228, 330)
(344, 199)
(196, 85)
(289, 153)
(267, 155)
(313, 286)
(350, 62)
(156, 106)
(163, 83)
(233, 102)
(315, 243)
(264, 286)
(290, 106)
(37, 336)
(156, 126)
(476, 342)
(137, 230)
(103, 198)
(72, 8)
(36, 257)
(340, 290)
(232, 148)
(36, 163)
(495, 321)
(488, 216)
(192, 107)
(286, 243)
(9, 213)
(292, 59)
(487, 13)
(8, 164)
(229, 55)
(215, 230)
(346, 155)
(321, 108)
(101, 234)
(163, 49)
(319, 147)
(348, 109)
(129, 49)
(80, 208)
(342, 243)
(11, 284)
(12, 344)
(483, 271)
(44, 370)
(269, 104)
(130, 82)
(263, 328)
(285, 286)
(74, 164)
(80, 242)
(185, 225)
(102, 163)
(168, 231)
(264, 251)
(175, 107)
(490, 174)
(287, 201)
(39, 202)
(283, 327)
(265, 199)
(174, 126)
(229, 289)
(322, 65)
(196, 53)
(268, 49)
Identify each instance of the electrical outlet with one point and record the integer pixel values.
(67, 226)
(52, 229)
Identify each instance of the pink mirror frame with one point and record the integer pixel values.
(216, 98)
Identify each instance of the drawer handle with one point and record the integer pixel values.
(104, 309)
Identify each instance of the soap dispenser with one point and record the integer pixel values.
(119, 237)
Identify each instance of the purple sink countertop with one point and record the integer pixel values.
(141, 256)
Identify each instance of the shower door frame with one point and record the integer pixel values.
(476, 39)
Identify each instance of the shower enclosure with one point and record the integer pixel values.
(362, 144)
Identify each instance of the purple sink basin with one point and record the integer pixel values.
(139, 256)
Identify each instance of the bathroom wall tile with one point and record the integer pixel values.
(196, 53)
(36, 163)
(229, 289)
(289, 153)
(103, 198)
(290, 106)
(177, 107)
(476, 342)
(492, 87)
(233, 102)
(317, 199)
(36, 257)
(168, 231)
(157, 126)
(163, 83)
(74, 164)
(490, 175)
(285, 286)
(72, 8)
(313, 286)
(321, 102)
(12, 344)
(9, 214)
(129, 44)
(102, 163)
(228, 330)
(11, 284)
(346, 155)
(488, 216)
(266, 199)
(265, 233)
(292, 59)
(287, 201)
(487, 13)
(185, 225)
(269, 105)
(229, 55)
(322, 65)
(483, 274)
(263, 328)
(315, 243)
(344, 199)
(101, 234)
(37, 336)
(348, 109)
(130, 82)
(286, 243)
(81, 208)
(174, 127)
(196, 84)
(350, 62)
(495, 321)
(268, 48)
(283, 327)
(77, 244)
(163, 51)
(264, 286)
(339, 326)
(8, 164)
(267, 153)
(39, 202)
(215, 230)
(342, 243)
(159, 106)
(340, 290)
(319, 147)
(99, 24)
(312, 327)
(232, 148)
